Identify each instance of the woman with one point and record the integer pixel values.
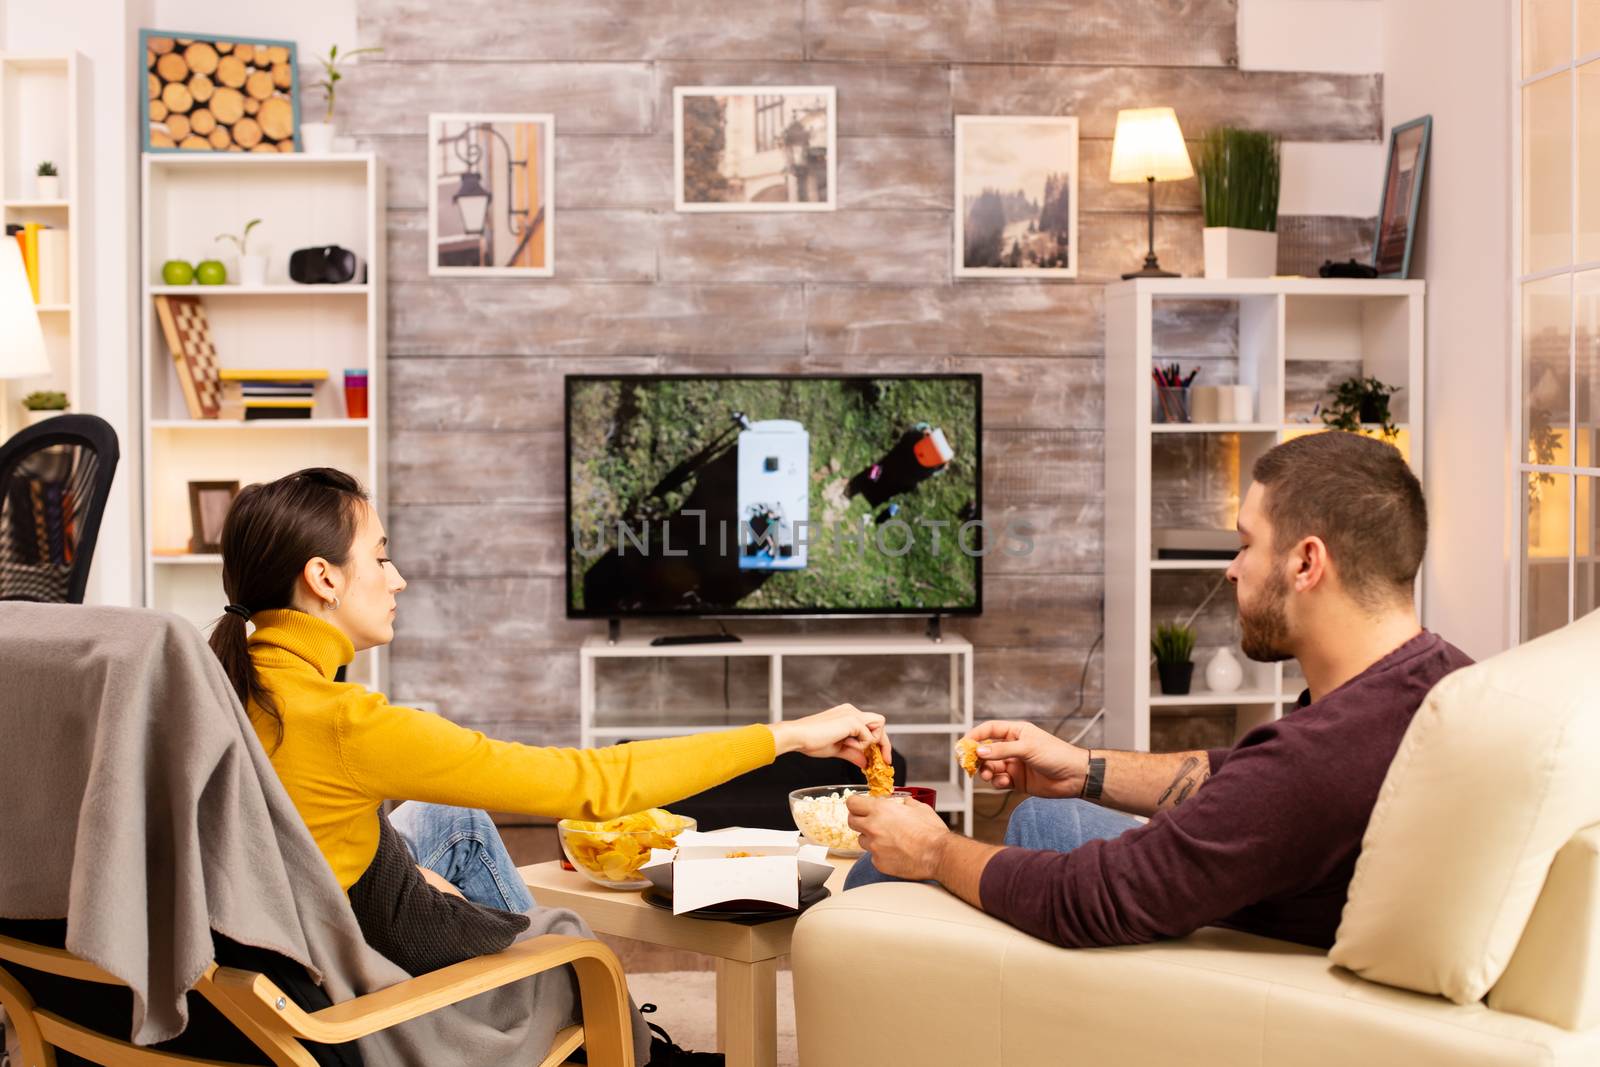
(304, 560)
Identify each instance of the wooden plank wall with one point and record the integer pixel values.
(475, 505)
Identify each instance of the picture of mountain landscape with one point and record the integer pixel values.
(1017, 196)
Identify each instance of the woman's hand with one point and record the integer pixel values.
(842, 731)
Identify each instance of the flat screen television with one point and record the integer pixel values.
(731, 495)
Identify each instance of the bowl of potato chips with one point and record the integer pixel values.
(610, 853)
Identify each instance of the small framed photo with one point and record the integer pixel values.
(491, 195)
(1016, 206)
(755, 148)
(203, 93)
(1402, 195)
(208, 510)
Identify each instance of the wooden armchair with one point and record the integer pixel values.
(276, 1025)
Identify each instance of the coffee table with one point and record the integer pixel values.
(746, 956)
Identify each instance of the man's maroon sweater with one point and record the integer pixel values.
(1268, 844)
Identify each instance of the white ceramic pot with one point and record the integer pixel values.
(1224, 673)
(252, 270)
(316, 138)
(30, 418)
(47, 186)
(1236, 253)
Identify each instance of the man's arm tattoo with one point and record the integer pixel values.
(1185, 782)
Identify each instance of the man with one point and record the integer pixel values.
(1262, 837)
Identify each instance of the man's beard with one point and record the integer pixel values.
(1264, 621)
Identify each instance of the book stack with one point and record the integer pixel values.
(44, 257)
(269, 394)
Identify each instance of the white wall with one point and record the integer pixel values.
(1458, 70)
(1328, 36)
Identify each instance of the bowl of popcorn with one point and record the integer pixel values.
(610, 853)
(823, 818)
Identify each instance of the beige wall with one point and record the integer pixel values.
(1458, 69)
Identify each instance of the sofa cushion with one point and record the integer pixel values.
(1555, 973)
(1496, 773)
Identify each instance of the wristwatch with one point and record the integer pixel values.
(1094, 782)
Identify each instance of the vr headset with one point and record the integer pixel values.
(327, 265)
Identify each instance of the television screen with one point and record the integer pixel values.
(788, 495)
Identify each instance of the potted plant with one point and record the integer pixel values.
(317, 137)
(1173, 646)
(1239, 174)
(1360, 402)
(47, 182)
(252, 269)
(43, 405)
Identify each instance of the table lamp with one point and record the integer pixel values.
(22, 353)
(1148, 147)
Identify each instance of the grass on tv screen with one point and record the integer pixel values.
(773, 495)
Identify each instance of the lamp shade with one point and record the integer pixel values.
(1148, 145)
(22, 353)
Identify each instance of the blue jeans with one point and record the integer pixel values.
(462, 846)
(1055, 825)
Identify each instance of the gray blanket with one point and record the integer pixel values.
(139, 806)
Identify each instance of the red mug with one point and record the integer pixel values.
(922, 793)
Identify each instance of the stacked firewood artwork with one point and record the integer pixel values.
(220, 96)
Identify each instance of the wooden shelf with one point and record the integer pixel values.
(37, 205)
(1202, 699)
(187, 559)
(1213, 427)
(52, 309)
(234, 160)
(260, 290)
(1190, 564)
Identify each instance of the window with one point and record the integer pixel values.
(769, 122)
(1557, 309)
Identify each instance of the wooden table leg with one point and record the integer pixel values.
(747, 1012)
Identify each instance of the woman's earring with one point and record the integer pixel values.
(335, 604)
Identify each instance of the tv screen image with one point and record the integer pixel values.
(789, 495)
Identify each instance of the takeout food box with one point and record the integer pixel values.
(737, 864)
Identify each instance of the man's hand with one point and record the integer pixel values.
(1020, 756)
(843, 731)
(906, 837)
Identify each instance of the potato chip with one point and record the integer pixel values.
(616, 848)
(880, 772)
(967, 752)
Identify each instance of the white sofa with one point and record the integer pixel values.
(1471, 936)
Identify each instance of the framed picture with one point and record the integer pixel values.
(204, 93)
(1016, 206)
(755, 148)
(491, 195)
(1402, 194)
(208, 509)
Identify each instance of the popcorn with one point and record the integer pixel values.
(825, 820)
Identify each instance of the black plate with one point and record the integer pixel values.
(731, 911)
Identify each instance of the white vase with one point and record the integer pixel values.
(47, 186)
(1235, 253)
(253, 270)
(316, 138)
(1224, 674)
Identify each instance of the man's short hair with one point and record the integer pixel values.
(1359, 496)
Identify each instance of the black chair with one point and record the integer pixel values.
(55, 477)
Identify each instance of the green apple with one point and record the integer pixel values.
(211, 272)
(177, 272)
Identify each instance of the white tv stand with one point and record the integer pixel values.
(954, 790)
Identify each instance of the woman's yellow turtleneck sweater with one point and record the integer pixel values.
(345, 750)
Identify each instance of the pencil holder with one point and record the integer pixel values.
(1169, 403)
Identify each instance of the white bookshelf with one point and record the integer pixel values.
(1376, 323)
(42, 118)
(598, 725)
(303, 201)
